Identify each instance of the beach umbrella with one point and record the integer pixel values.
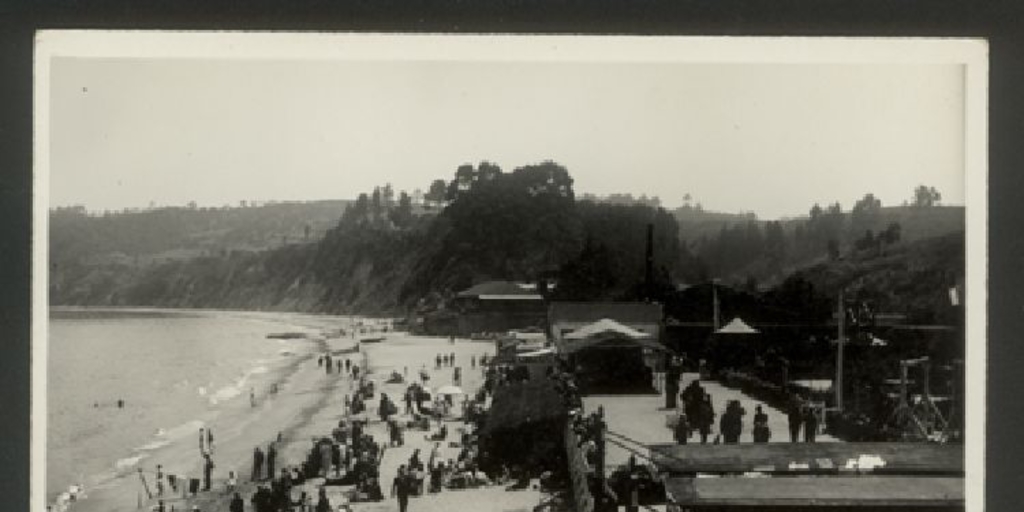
(450, 390)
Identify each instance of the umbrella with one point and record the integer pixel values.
(450, 390)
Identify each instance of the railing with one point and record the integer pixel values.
(578, 470)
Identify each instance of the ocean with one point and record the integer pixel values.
(175, 371)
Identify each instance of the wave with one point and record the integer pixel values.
(127, 464)
(239, 386)
(185, 429)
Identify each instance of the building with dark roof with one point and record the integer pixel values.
(499, 306)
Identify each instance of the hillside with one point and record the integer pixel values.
(740, 249)
(375, 255)
(169, 233)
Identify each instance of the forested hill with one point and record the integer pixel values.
(168, 233)
(381, 254)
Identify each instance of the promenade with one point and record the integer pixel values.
(643, 417)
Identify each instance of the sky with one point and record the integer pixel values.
(772, 139)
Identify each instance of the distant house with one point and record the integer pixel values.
(499, 306)
(613, 364)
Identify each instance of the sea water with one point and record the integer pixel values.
(174, 372)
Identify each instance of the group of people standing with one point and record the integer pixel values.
(444, 360)
(698, 414)
(328, 364)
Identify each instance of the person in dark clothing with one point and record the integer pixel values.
(207, 470)
(760, 418)
(271, 456)
(795, 417)
(401, 488)
(707, 418)
(348, 365)
(810, 425)
(682, 430)
(437, 361)
(323, 504)
(237, 505)
(257, 464)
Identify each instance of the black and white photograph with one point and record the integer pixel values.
(297, 272)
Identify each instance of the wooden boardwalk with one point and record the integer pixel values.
(811, 458)
(818, 493)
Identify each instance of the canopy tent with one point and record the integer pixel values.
(606, 332)
(737, 326)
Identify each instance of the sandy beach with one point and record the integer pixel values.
(308, 405)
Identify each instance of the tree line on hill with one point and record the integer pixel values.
(390, 252)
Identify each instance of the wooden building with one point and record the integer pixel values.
(611, 363)
(499, 306)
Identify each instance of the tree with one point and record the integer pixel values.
(865, 213)
(833, 249)
(815, 211)
(401, 216)
(436, 193)
(463, 182)
(891, 235)
(487, 171)
(376, 208)
(926, 196)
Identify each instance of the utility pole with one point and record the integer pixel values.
(841, 318)
(714, 300)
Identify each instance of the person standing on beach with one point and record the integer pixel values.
(202, 441)
(451, 359)
(348, 365)
(207, 470)
(323, 504)
(209, 440)
(237, 505)
(257, 464)
(271, 456)
(472, 361)
(159, 480)
(401, 488)
(252, 397)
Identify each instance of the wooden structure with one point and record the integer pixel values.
(498, 306)
(811, 458)
(807, 493)
(813, 477)
(618, 359)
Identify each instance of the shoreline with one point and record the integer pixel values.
(230, 418)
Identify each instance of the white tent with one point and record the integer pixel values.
(606, 327)
(606, 330)
(737, 326)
